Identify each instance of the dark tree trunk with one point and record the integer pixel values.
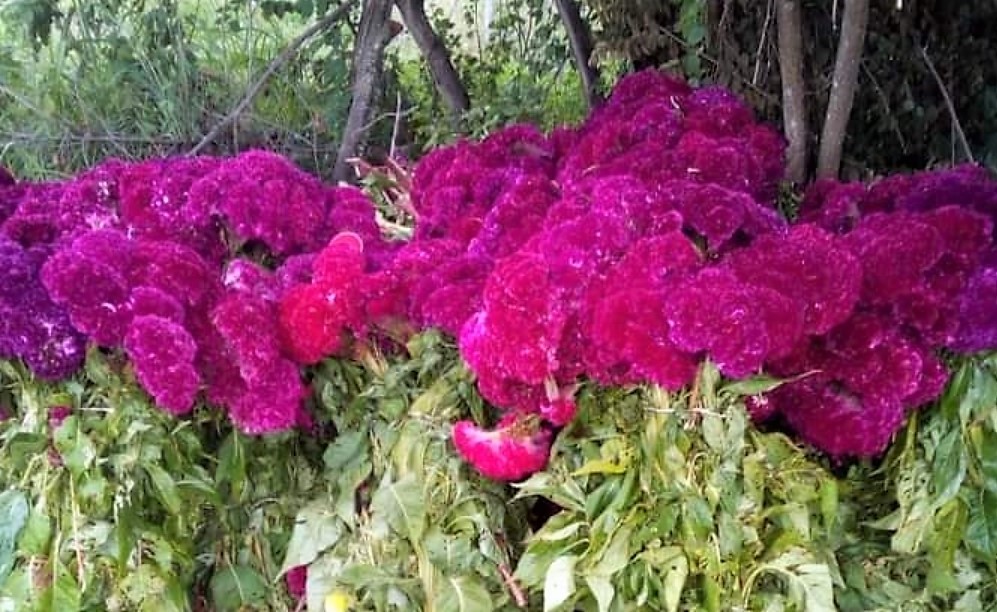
(843, 86)
(437, 56)
(581, 49)
(368, 68)
(794, 107)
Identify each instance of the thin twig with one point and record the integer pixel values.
(961, 135)
(510, 582)
(894, 124)
(761, 43)
(275, 65)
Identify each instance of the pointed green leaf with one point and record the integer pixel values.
(402, 504)
(462, 594)
(559, 583)
(236, 586)
(316, 529)
(13, 516)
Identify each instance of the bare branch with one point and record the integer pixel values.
(285, 56)
(437, 55)
(581, 49)
(794, 108)
(854, 20)
(956, 124)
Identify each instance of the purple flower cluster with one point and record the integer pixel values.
(155, 258)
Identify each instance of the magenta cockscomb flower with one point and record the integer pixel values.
(808, 265)
(163, 355)
(516, 448)
(263, 196)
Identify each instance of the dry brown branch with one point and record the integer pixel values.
(854, 20)
(956, 124)
(760, 51)
(794, 108)
(276, 64)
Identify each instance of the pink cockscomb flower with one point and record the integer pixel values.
(517, 447)
(296, 578)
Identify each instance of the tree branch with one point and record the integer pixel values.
(285, 56)
(845, 81)
(794, 108)
(437, 55)
(956, 124)
(368, 66)
(581, 49)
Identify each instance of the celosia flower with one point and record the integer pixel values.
(266, 198)
(716, 111)
(95, 295)
(272, 401)
(312, 323)
(175, 269)
(517, 447)
(808, 265)
(163, 353)
(739, 326)
(448, 296)
(977, 314)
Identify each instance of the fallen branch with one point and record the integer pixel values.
(956, 124)
(285, 56)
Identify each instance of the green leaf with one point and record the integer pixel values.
(602, 589)
(24, 445)
(808, 583)
(64, 593)
(316, 529)
(559, 583)
(13, 516)
(981, 532)
(235, 586)
(344, 449)
(165, 488)
(676, 569)
(462, 594)
(35, 537)
(402, 504)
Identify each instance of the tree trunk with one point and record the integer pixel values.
(437, 56)
(581, 49)
(368, 66)
(794, 107)
(845, 81)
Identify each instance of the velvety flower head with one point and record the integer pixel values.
(739, 326)
(967, 185)
(272, 402)
(448, 296)
(717, 213)
(637, 88)
(519, 145)
(895, 251)
(264, 197)
(163, 355)
(724, 162)
(629, 339)
(175, 269)
(808, 265)
(516, 448)
(577, 250)
(517, 215)
(247, 276)
(152, 301)
(36, 219)
(296, 270)
(517, 332)
(717, 112)
(341, 262)
(94, 293)
(977, 314)
(155, 203)
(350, 210)
(313, 324)
(839, 422)
(58, 414)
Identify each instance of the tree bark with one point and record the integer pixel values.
(437, 56)
(581, 49)
(844, 83)
(794, 107)
(368, 67)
